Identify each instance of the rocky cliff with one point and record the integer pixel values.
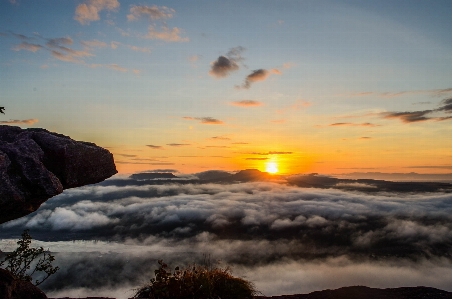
(36, 164)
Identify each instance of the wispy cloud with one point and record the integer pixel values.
(60, 50)
(224, 65)
(178, 144)
(423, 115)
(155, 13)
(431, 167)
(139, 49)
(89, 10)
(94, 43)
(152, 12)
(205, 120)
(193, 59)
(20, 122)
(126, 155)
(113, 66)
(247, 103)
(409, 117)
(166, 34)
(353, 125)
(220, 138)
(154, 146)
(271, 153)
(27, 46)
(431, 92)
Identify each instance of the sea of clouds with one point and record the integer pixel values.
(108, 237)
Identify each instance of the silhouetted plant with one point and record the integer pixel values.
(200, 282)
(23, 258)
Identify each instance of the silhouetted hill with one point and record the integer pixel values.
(213, 175)
(152, 176)
(313, 180)
(362, 292)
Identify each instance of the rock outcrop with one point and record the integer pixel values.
(13, 288)
(36, 164)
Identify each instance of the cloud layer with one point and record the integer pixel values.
(257, 227)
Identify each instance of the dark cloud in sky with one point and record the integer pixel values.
(259, 227)
(220, 138)
(205, 120)
(258, 75)
(178, 144)
(447, 105)
(224, 65)
(424, 115)
(409, 117)
(154, 146)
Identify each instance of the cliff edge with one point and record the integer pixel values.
(36, 164)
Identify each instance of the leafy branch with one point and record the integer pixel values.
(23, 258)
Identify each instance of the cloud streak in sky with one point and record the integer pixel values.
(154, 146)
(20, 122)
(353, 125)
(431, 92)
(247, 103)
(205, 120)
(424, 115)
(27, 46)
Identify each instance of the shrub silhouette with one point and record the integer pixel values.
(23, 258)
(200, 282)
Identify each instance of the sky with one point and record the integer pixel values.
(107, 237)
(303, 86)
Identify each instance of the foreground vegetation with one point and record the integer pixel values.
(24, 261)
(200, 282)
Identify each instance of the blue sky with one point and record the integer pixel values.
(333, 79)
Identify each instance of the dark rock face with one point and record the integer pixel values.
(36, 164)
(12, 288)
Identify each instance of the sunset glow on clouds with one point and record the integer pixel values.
(341, 85)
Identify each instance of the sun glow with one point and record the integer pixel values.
(271, 167)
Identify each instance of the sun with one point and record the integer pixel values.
(271, 167)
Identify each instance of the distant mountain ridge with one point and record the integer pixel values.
(313, 180)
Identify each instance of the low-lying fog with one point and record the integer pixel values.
(285, 239)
